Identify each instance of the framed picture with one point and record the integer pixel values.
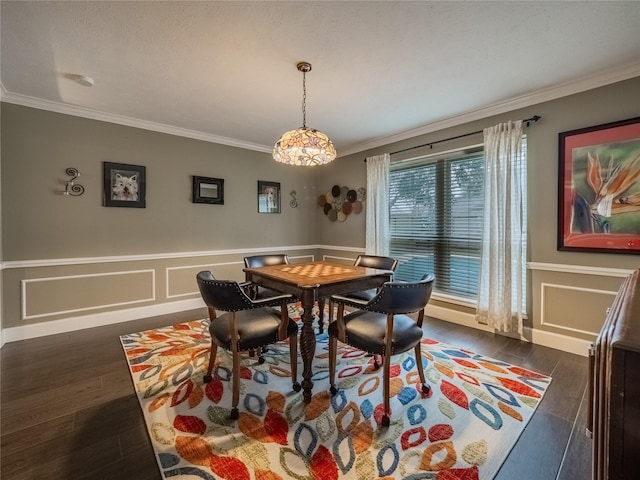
(599, 188)
(124, 185)
(208, 190)
(268, 197)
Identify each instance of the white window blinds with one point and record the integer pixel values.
(435, 209)
(436, 220)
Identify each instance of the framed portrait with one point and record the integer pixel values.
(268, 197)
(208, 190)
(599, 188)
(124, 185)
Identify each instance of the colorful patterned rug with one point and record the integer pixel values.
(464, 431)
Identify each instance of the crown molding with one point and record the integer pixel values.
(77, 111)
(588, 82)
(599, 79)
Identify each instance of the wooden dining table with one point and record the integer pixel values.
(314, 282)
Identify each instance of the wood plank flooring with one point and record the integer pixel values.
(68, 410)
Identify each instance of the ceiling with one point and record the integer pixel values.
(382, 71)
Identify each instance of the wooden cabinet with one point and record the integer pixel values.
(615, 388)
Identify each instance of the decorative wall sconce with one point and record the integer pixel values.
(72, 188)
(293, 203)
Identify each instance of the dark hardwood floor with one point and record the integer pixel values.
(69, 412)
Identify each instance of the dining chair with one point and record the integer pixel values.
(382, 326)
(257, 261)
(245, 325)
(368, 261)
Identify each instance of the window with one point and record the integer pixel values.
(436, 207)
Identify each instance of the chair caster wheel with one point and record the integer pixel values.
(385, 421)
(234, 414)
(426, 389)
(260, 359)
(206, 378)
(297, 387)
(376, 364)
(333, 390)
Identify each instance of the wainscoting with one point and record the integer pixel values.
(567, 302)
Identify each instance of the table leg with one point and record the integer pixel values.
(307, 343)
(321, 302)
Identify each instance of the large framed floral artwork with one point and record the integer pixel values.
(599, 188)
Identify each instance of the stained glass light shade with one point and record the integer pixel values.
(305, 147)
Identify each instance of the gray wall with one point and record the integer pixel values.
(69, 258)
(568, 292)
(41, 223)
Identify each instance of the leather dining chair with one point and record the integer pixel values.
(256, 261)
(382, 326)
(245, 325)
(367, 261)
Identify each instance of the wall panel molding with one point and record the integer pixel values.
(543, 289)
(24, 286)
(206, 266)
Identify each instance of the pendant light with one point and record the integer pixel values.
(304, 146)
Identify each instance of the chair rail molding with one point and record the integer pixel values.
(56, 262)
(580, 269)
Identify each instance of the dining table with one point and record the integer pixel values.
(315, 282)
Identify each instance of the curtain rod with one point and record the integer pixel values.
(526, 121)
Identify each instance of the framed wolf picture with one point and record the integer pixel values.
(124, 185)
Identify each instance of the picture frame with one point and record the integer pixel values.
(208, 190)
(599, 188)
(268, 197)
(124, 185)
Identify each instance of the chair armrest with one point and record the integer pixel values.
(352, 302)
(280, 300)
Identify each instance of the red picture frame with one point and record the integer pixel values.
(599, 188)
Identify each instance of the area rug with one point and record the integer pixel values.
(463, 430)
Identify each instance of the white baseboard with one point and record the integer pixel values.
(565, 343)
(13, 334)
(42, 329)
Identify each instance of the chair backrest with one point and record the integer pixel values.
(222, 295)
(375, 261)
(402, 297)
(257, 261)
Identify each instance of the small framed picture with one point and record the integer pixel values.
(124, 185)
(208, 190)
(268, 197)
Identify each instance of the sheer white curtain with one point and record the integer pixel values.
(377, 241)
(503, 257)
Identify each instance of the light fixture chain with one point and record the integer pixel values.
(304, 99)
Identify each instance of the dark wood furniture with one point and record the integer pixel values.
(615, 388)
(245, 325)
(310, 282)
(382, 326)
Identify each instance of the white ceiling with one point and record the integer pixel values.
(382, 71)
